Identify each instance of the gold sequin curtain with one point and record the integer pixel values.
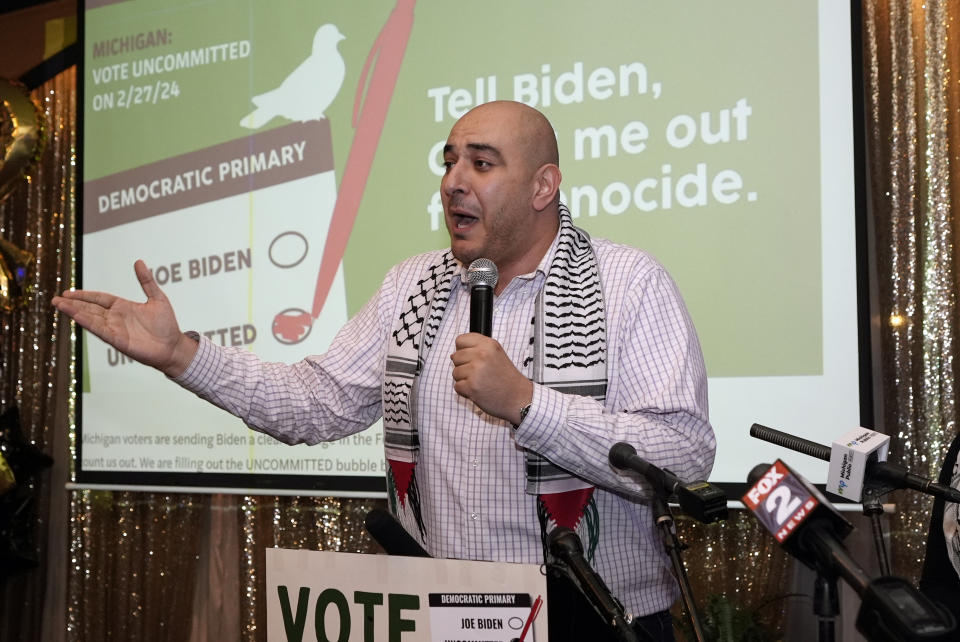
(175, 567)
(911, 95)
(737, 561)
(35, 364)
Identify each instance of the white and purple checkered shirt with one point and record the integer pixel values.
(471, 470)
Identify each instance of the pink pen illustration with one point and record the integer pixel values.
(379, 78)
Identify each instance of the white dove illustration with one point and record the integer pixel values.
(307, 92)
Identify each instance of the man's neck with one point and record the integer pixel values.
(532, 260)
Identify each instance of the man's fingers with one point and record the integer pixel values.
(461, 389)
(65, 304)
(150, 287)
(87, 315)
(469, 346)
(78, 297)
(469, 340)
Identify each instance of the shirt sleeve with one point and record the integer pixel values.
(656, 396)
(321, 398)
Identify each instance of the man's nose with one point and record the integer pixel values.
(454, 180)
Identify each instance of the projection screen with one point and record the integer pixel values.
(270, 161)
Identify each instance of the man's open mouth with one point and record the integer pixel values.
(463, 221)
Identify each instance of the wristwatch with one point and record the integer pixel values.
(523, 415)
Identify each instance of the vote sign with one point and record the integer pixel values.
(322, 596)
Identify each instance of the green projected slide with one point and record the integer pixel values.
(271, 161)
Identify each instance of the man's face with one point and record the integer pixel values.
(487, 189)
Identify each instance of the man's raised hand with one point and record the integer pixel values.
(147, 332)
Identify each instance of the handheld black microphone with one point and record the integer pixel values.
(700, 499)
(887, 475)
(811, 529)
(565, 545)
(483, 276)
(391, 535)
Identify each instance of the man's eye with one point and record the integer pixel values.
(481, 164)
(447, 165)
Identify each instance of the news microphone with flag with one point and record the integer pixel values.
(391, 535)
(482, 276)
(782, 501)
(700, 499)
(812, 530)
(565, 545)
(863, 467)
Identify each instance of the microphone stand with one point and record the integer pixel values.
(826, 605)
(874, 509)
(668, 534)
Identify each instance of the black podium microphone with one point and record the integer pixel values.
(700, 499)
(391, 535)
(566, 545)
(483, 276)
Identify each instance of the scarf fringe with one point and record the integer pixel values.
(591, 525)
(403, 490)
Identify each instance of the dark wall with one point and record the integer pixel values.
(28, 36)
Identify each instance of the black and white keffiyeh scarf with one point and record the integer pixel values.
(567, 353)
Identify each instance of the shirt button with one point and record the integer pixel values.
(478, 412)
(476, 463)
(474, 516)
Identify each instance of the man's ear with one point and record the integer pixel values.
(546, 185)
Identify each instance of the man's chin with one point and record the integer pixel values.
(466, 255)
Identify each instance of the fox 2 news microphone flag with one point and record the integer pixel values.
(811, 529)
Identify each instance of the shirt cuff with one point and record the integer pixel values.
(548, 412)
(204, 371)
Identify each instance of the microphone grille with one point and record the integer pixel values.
(620, 454)
(483, 272)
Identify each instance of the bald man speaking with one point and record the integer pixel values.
(492, 441)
